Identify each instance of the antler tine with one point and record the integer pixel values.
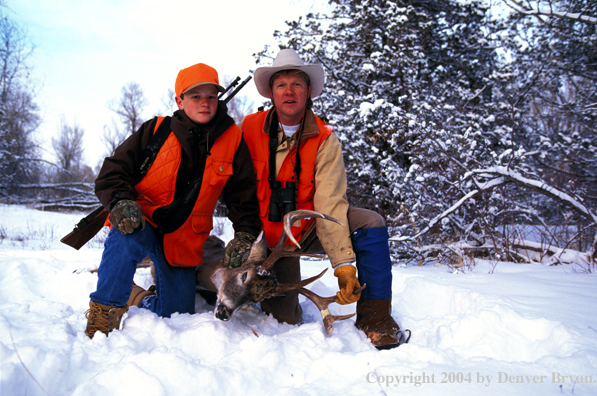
(292, 217)
(289, 219)
(322, 303)
(297, 285)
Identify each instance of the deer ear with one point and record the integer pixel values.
(258, 250)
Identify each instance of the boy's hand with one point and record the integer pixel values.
(238, 249)
(127, 216)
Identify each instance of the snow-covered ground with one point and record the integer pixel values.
(525, 329)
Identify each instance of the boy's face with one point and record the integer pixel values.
(200, 103)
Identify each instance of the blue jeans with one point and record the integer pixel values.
(175, 286)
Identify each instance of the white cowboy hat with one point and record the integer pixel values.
(287, 59)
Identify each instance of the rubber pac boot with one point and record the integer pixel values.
(375, 305)
(138, 294)
(375, 319)
(104, 318)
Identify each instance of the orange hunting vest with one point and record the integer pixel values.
(258, 142)
(184, 247)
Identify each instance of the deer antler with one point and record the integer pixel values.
(289, 219)
(323, 302)
(320, 302)
(278, 252)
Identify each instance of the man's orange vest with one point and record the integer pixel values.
(184, 247)
(258, 142)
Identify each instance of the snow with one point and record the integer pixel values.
(524, 329)
(536, 184)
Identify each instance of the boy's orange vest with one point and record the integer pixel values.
(184, 247)
(258, 143)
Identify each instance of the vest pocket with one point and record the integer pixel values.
(202, 222)
(222, 170)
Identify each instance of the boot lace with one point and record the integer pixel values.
(99, 320)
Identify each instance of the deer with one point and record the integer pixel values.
(254, 281)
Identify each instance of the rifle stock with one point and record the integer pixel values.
(86, 229)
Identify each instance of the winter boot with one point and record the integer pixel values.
(375, 305)
(104, 318)
(138, 294)
(374, 318)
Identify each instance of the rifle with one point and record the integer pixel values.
(232, 84)
(233, 94)
(86, 228)
(91, 224)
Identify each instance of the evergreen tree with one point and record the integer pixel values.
(410, 91)
(452, 120)
(555, 46)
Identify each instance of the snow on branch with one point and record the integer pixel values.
(527, 10)
(480, 187)
(438, 218)
(537, 185)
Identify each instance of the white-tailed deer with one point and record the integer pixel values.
(254, 281)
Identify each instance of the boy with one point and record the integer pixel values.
(166, 211)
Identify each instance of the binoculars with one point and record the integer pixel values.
(282, 200)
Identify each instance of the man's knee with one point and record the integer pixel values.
(360, 219)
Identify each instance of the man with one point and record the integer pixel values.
(316, 172)
(163, 209)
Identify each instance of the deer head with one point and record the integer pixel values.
(254, 281)
(242, 285)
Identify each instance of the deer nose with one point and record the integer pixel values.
(222, 313)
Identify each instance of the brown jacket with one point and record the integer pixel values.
(119, 172)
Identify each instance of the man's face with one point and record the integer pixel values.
(200, 103)
(289, 94)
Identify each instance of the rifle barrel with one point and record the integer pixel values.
(232, 84)
(231, 95)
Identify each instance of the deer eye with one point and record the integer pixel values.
(244, 277)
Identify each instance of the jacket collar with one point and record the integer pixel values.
(189, 133)
(310, 128)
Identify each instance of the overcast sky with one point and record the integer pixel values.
(87, 50)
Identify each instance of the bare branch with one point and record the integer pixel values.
(528, 10)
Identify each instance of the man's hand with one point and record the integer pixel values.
(347, 282)
(127, 216)
(238, 249)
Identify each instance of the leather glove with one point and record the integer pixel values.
(127, 216)
(347, 282)
(238, 249)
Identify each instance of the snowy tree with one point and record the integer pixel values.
(410, 91)
(450, 120)
(553, 43)
(19, 116)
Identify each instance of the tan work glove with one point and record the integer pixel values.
(238, 249)
(127, 216)
(347, 282)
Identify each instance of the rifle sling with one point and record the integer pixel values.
(153, 147)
